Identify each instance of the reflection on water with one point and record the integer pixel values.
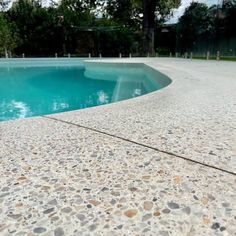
(34, 91)
(57, 106)
(103, 98)
(18, 108)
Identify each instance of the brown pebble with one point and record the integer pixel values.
(206, 220)
(22, 178)
(94, 202)
(131, 213)
(161, 172)
(147, 205)
(45, 188)
(19, 204)
(146, 177)
(157, 213)
(177, 180)
(52, 214)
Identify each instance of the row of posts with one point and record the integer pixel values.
(177, 55)
(190, 55)
(100, 55)
(186, 55)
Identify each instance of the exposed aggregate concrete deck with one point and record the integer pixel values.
(161, 164)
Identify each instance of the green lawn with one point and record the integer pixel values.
(214, 58)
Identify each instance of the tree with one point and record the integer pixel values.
(149, 20)
(229, 10)
(149, 12)
(124, 12)
(46, 31)
(61, 28)
(197, 21)
(155, 11)
(73, 14)
(8, 36)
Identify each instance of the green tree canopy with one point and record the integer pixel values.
(229, 10)
(8, 35)
(196, 21)
(147, 12)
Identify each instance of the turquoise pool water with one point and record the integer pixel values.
(40, 90)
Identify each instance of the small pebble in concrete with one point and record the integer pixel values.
(48, 210)
(173, 205)
(215, 225)
(147, 205)
(39, 230)
(166, 211)
(66, 209)
(146, 217)
(59, 232)
(131, 213)
(222, 228)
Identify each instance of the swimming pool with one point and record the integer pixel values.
(39, 87)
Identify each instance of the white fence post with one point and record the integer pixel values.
(191, 55)
(208, 55)
(186, 55)
(218, 56)
(6, 53)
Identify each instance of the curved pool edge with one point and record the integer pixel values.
(94, 64)
(162, 68)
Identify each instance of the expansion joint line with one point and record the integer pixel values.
(141, 144)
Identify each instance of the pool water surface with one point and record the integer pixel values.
(34, 91)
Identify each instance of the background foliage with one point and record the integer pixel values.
(110, 27)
